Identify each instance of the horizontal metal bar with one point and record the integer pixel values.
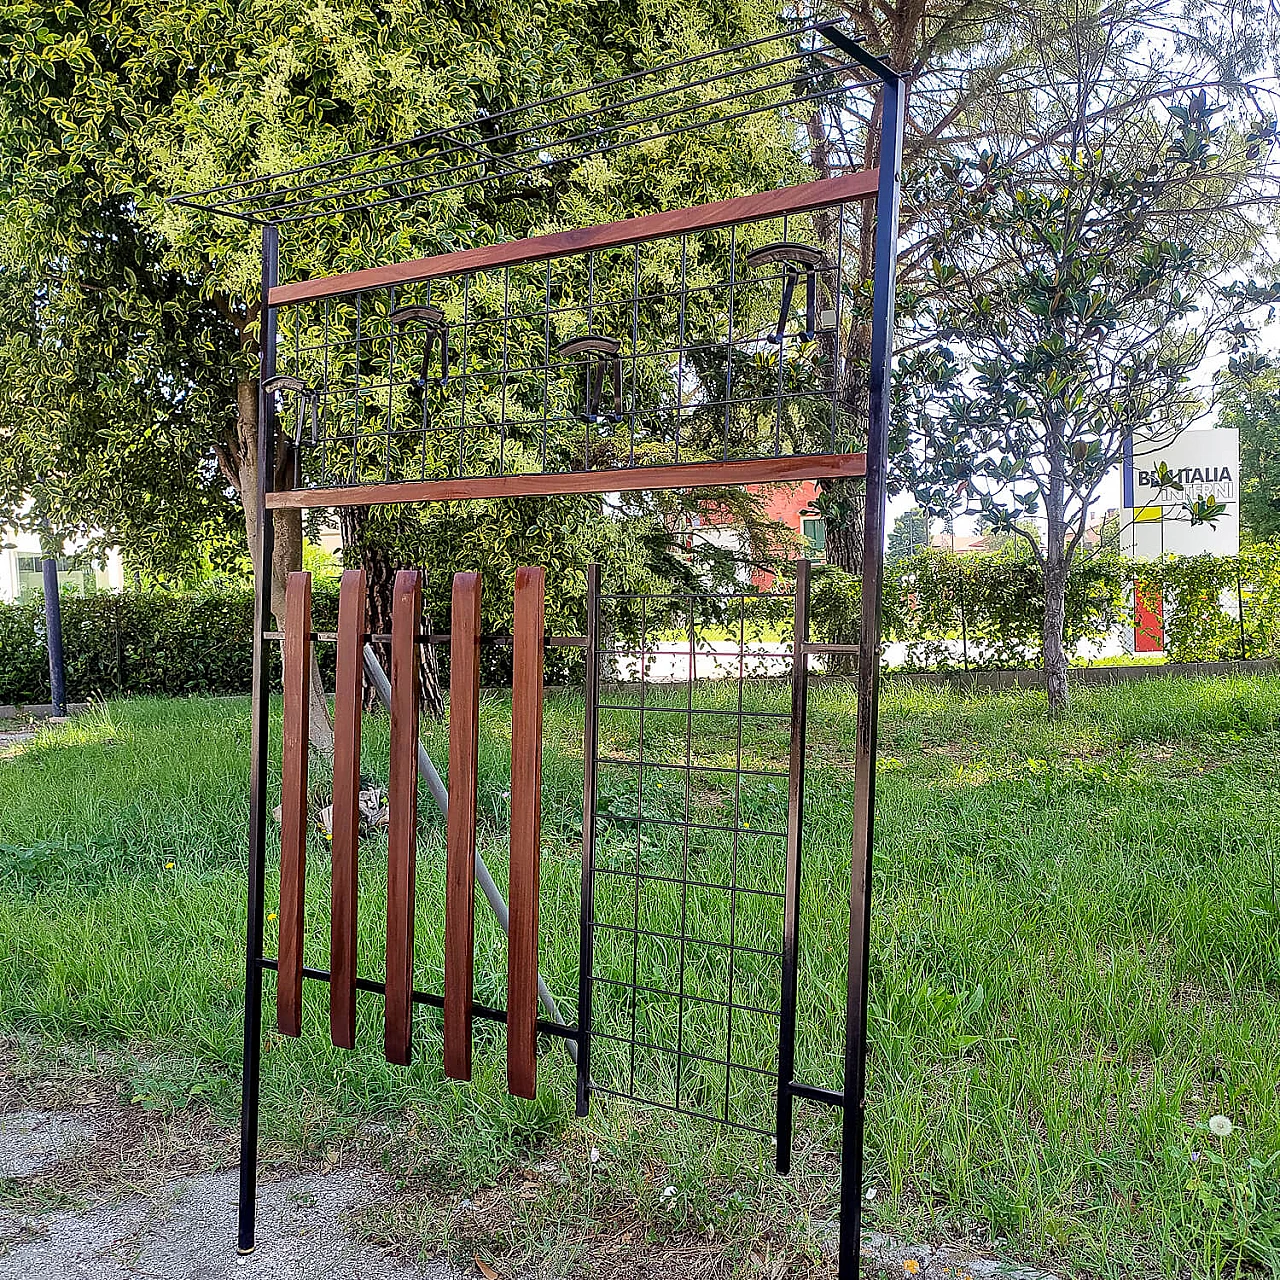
(658, 708)
(675, 937)
(813, 647)
(690, 768)
(441, 637)
(611, 235)
(631, 819)
(688, 884)
(559, 1029)
(685, 1053)
(815, 1094)
(658, 991)
(680, 1111)
(683, 475)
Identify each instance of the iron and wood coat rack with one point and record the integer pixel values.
(667, 350)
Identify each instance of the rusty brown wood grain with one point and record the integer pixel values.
(682, 475)
(526, 829)
(460, 880)
(649, 226)
(348, 693)
(293, 802)
(402, 831)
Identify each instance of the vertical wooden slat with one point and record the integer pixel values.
(460, 879)
(402, 833)
(526, 824)
(348, 693)
(293, 802)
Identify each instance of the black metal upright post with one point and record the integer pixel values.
(791, 900)
(892, 113)
(590, 751)
(53, 637)
(260, 748)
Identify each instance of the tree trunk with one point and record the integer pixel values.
(370, 554)
(1053, 649)
(1056, 567)
(286, 556)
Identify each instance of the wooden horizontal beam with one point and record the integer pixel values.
(684, 475)
(610, 235)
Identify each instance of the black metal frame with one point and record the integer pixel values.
(443, 161)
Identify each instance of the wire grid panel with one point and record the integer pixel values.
(714, 345)
(639, 120)
(689, 865)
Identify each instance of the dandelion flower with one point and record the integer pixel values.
(271, 915)
(1220, 1126)
(168, 866)
(911, 1266)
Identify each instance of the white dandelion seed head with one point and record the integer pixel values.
(1220, 1126)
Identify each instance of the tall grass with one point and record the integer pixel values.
(1076, 956)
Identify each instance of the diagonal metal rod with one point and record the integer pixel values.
(440, 794)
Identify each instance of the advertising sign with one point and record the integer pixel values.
(1168, 486)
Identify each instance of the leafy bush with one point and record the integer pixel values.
(144, 643)
(995, 602)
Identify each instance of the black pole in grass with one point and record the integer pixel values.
(53, 637)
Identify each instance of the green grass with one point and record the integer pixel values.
(1076, 963)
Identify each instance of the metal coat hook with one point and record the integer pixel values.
(599, 352)
(795, 258)
(433, 321)
(308, 398)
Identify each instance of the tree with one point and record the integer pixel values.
(1071, 308)
(978, 73)
(910, 534)
(108, 109)
(1250, 401)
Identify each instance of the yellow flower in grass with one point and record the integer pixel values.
(911, 1266)
(168, 866)
(271, 915)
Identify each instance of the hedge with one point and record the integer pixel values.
(144, 643)
(1215, 607)
(201, 643)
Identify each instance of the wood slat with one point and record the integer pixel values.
(460, 879)
(348, 695)
(402, 832)
(526, 828)
(683, 475)
(649, 226)
(293, 802)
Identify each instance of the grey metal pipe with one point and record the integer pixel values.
(440, 794)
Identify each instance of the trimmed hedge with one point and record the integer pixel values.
(995, 602)
(145, 643)
(201, 642)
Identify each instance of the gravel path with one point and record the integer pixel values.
(186, 1229)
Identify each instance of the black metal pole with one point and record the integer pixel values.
(791, 900)
(590, 750)
(892, 110)
(260, 748)
(53, 637)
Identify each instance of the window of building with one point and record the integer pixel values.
(816, 532)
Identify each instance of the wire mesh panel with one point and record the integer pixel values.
(689, 866)
(717, 345)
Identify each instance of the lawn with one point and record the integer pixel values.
(1076, 963)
